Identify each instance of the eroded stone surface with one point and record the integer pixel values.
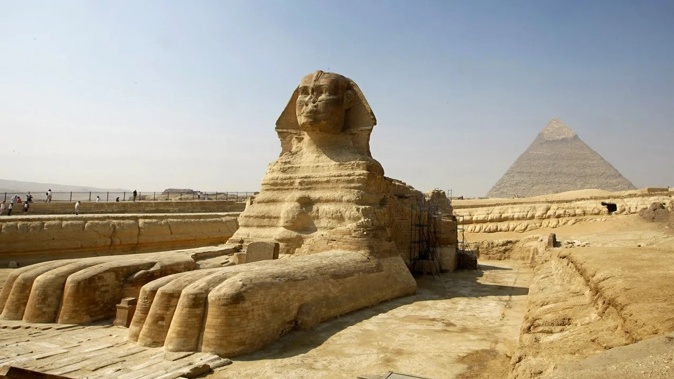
(327, 204)
(33, 239)
(529, 214)
(85, 290)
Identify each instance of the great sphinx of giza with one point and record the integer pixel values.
(326, 201)
(343, 229)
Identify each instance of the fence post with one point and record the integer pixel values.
(89, 196)
(154, 196)
(107, 196)
(124, 196)
(71, 196)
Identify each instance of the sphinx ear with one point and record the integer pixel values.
(349, 98)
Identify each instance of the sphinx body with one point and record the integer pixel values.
(328, 205)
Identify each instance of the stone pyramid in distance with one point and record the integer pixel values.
(558, 161)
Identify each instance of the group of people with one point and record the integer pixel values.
(16, 199)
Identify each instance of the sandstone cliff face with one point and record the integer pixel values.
(558, 161)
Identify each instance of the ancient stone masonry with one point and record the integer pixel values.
(527, 214)
(558, 161)
(40, 238)
(338, 223)
(327, 234)
(84, 290)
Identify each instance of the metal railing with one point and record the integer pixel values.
(72, 196)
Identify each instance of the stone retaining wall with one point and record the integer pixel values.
(520, 215)
(30, 239)
(124, 207)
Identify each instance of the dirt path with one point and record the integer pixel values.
(462, 324)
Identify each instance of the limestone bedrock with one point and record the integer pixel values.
(341, 225)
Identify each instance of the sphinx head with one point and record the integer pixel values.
(329, 104)
(322, 102)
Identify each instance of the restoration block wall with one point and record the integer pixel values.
(28, 240)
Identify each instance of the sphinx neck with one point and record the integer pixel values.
(325, 142)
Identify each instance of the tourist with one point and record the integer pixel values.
(48, 200)
(9, 209)
(77, 207)
(29, 198)
(117, 199)
(2, 207)
(98, 198)
(134, 195)
(25, 207)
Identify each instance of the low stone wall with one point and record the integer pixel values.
(521, 215)
(126, 207)
(30, 239)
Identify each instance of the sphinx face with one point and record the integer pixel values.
(320, 103)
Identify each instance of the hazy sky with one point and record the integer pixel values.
(154, 94)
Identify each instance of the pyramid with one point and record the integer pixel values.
(558, 161)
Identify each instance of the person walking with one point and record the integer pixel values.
(134, 195)
(9, 209)
(25, 207)
(48, 196)
(3, 205)
(77, 207)
(98, 198)
(29, 198)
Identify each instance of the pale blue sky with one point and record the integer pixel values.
(154, 94)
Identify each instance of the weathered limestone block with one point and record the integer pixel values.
(447, 258)
(82, 291)
(261, 251)
(42, 238)
(239, 258)
(485, 216)
(125, 311)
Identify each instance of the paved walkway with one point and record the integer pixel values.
(95, 351)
